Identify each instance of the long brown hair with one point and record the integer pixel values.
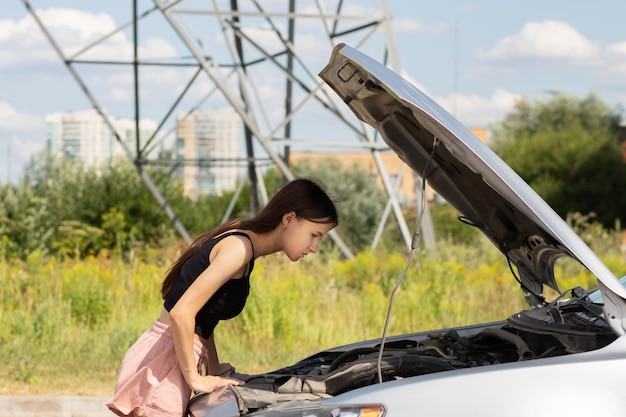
(302, 196)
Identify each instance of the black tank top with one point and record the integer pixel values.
(226, 303)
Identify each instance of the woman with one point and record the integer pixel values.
(209, 282)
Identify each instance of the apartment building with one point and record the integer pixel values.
(84, 136)
(210, 143)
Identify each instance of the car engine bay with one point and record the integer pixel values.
(562, 327)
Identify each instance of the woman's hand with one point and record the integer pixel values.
(210, 383)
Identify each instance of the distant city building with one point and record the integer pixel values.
(84, 136)
(398, 173)
(210, 142)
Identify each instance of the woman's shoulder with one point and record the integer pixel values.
(240, 233)
(235, 240)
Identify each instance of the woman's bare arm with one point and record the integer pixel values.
(228, 259)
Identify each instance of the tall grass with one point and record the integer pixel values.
(65, 325)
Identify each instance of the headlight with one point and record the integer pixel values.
(330, 410)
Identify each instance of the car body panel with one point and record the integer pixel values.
(574, 385)
(584, 384)
(506, 209)
(220, 403)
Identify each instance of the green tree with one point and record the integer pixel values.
(360, 200)
(59, 204)
(448, 227)
(567, 150)
(76, 239)
(209, 209)
(115, 229)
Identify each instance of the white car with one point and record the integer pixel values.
(563, 357)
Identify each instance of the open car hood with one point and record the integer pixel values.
(470, 176)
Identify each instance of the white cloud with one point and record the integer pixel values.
(614, 64)
(617, 50)
(547, 40)
(407, 25)
(156, 48)
(22, 42)
(477, 111)
(13, 122)
(23, 45)
(25, 135)
(118, 94)
(472, 110)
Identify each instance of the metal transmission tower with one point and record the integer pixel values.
(259, 57)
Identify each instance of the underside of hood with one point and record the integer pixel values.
(469, 175)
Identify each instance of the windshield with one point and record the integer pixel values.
(596, 296)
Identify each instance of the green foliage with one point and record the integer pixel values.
(561, 113)
(602, 240)
(449, 228)
(64, 209)
(66, 323)
(360, 200)
(76, 238)
(88, 294)
(115, 229)
(380, 267)
(69, 322)
(566, 150)
(208, 211)
(61, 207)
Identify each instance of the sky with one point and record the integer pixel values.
(475, 58)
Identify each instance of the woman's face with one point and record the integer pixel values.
(302, 236)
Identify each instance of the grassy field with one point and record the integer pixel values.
(65, 325)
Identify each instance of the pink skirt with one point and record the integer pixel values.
(150, 381)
